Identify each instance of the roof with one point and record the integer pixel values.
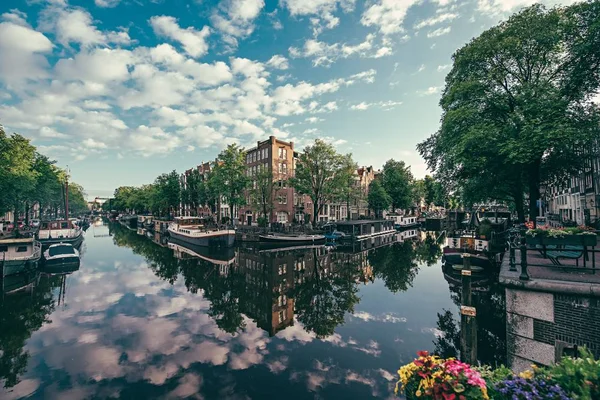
(15, 240)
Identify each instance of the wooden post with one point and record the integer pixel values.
(524, 275)
(468, 313)
(512, 260)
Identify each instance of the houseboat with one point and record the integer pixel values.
(129, 221)
(364, 229)
(190, 230)
(470, 242)
(183, 250)
(61, 231)
(144, 221)
(19, 254)
(60, 255)
(402, 222)
(277, 239)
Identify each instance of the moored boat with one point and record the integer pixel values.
(190, 230)
(291, 240)
(468, 242)
(60, 255)
(19, 254)
(60, 231)
(363, 229)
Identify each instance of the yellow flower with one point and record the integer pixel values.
(418, 393)
(526, 374)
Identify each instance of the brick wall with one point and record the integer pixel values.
(576, 322)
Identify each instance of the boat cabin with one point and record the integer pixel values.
(188, 221)
(365, 228)
(54, 229)
(17, 249)
(469, 242)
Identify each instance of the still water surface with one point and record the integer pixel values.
(142, 320)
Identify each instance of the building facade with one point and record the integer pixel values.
(277, 157)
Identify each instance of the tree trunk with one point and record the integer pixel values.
(534, 190)
(315, 213)
(27, 213)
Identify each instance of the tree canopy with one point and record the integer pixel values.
(397, 180)
(378, 198)
(516, 109)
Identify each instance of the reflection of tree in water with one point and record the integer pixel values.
(395, 265)
(491, 326)
(222, 287)
(21, 314)
(160, 259)
(324, 297)
(428, 251)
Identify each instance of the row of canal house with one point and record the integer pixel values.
(279, 157)
(577, 199)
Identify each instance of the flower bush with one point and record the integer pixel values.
(430, 377)
(560, 232)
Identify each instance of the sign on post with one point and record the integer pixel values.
(468, 311)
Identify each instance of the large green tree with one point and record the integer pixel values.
(228, 179)
(262, 193)
(397, 181)
(516, 110)
(378, 198)
(167, 192)
(319, 174)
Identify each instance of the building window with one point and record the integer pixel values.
(282, 316)
(282, 269)
(281, 300)
(285, 169)
(282, 217)
(282, 153)
(280, 168)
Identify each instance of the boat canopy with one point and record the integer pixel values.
(60, 249)
(59, 224)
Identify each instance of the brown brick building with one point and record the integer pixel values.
(278, 157)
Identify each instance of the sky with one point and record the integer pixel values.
(124, 90)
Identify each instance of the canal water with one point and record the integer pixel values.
(143, 319)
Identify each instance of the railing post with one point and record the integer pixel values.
(512, 261)
(524, 275)
(468, 313)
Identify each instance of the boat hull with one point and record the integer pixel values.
(291, 241)
(225, 254)
(217, 240)
(478, 259)
(61, 265)
(13, 267)
(74, 241)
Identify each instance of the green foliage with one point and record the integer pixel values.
(228, 178)
(167, 192)
(395, 265)
(321, 173)
(263, 192)
(515, 107)
(397, 180)
(27, 177)
(579, 377)
(378, 198)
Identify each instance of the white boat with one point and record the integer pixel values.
(190, 230)
(60, 231)
(60, 254)
(18, 254)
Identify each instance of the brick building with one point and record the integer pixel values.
(276, 156)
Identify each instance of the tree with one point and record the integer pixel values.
(318, 175)
(167, 192)
(262, 193)
(419, 192)
(395, 265)
(397, 182)
(349, 191)
(516, 110)
(17, 174)
(228, 179)
(378, 198)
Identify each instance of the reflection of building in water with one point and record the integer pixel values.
(270, 276)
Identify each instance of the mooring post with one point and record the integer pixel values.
(468, 315)
(524, 275)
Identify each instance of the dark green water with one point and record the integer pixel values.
(140, 320)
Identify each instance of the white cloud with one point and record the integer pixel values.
(443, 67)
(429, 91)
(385, 105)
(324, 54)
(436, 19)
(421, 68)
(16, 17)
(22, 50)
(107, 3)
(192, 40)
(71, 26)
(314, 120)
(439, 32)
(236, 19)
(323, 10)
(387, 15)
(278, 62)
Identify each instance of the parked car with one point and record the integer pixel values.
(34, 223)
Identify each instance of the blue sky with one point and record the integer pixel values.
(123, 90)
